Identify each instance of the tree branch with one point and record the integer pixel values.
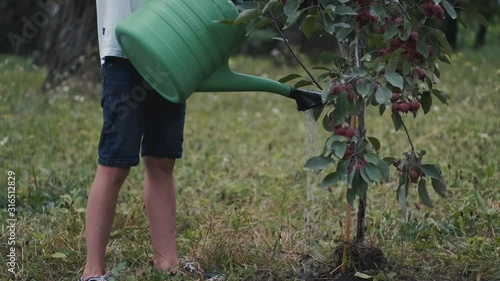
(293, 53)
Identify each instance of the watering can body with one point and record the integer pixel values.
(180, 47)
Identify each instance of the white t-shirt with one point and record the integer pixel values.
(109, 14)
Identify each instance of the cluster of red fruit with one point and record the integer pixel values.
(431, 9)
(410, 46)
(365, 17)
(414, 174)
(346, 131)
(338, 87)
(401, 105)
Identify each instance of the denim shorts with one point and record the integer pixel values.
(136, 119)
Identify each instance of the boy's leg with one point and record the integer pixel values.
(159, 197)
(101, 207)
(119, 145)
(161, 145)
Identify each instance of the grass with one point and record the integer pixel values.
(241, 186)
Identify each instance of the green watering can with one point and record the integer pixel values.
(180, 47)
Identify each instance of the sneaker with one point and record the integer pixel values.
(101, 278)
(194, 269)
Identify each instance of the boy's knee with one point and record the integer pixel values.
(115, 174)
(153, 164)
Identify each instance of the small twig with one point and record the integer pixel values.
(409, 138)
(293, 53)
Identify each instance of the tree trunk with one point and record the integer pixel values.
(481, 36)
(68, 42)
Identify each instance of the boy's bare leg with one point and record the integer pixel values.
(159, 197)
(101, 207)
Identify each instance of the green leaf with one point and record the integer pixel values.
(423, 194)
(330, 179)
(318, 163)
(442, 96)
(375, 143)
(439, 186)
(422, 48)
(390, 32)
(339, 148)
(289, 77)
(449, 9)
(365, 88)
(426, 101)
(342, 33)
(291, 7)
(378, 10)
(383, 95)
(441, 38)
(269, 6)
(373, 172)
(395, 79)
(371, 158)
(431, 171)
(292, 19)
(302, 83)
(360, 184)
(365, 176)
(344, 10)
(351, 195)
(384, 169)
(396, 120)
(477, 16)
(247, 15)
(341, 108)
(309, 25)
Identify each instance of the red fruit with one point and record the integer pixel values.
(414, 105)
(410, 54)
(359, 165)
(404, 107)
(395, 107)
(351, 96)
(396, 163)
(414, 35)
(395, 43)
(283, 2)
(438, 11)
(398, 20)
(350, 132)
(394, 97)
(336, 89)
(340, 131)
(427, 7)
(414, 176)
(420, 72)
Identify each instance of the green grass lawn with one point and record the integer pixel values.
(242, 190)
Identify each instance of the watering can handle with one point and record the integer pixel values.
(225, 80)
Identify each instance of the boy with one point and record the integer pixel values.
(136, 118)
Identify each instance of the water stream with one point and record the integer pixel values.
(311, 148)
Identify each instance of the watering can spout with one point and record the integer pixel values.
(306, 99)
(225, 80)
